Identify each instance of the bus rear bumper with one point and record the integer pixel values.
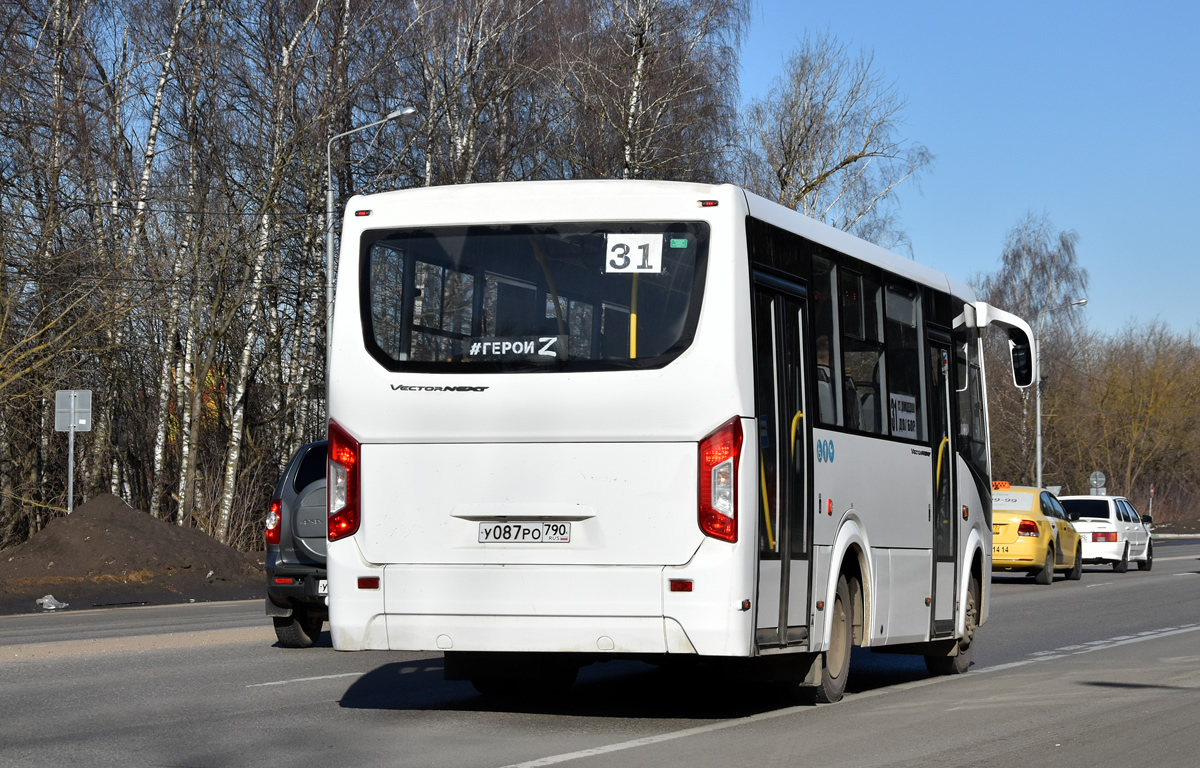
(551, 609)
(652, 635)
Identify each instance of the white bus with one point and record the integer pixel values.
(585, 420)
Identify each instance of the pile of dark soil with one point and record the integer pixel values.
(106, 554)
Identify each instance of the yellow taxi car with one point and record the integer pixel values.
(1031, 533)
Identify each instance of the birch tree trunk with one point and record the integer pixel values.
(137, 228)
(175, 289)
(263, 243)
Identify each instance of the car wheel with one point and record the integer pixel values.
(960, 663)
(1148, 563)
(300, 630)
(1122, 565)
(1046, 575)
(836, 661)
(1076, 570)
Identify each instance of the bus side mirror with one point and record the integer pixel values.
(1021, 349)
(1020, 340)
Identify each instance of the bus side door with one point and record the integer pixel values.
(780, 328)
(941, 435)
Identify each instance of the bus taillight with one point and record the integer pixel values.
(719, 454)
(344, 452)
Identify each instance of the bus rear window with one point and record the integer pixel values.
(586, 296)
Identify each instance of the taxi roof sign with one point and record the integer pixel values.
(1000, 485)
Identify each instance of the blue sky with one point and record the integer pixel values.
(1088, 112)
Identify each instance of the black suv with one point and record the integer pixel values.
(297, 584)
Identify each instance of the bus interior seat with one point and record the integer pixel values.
(870, 420)
(827, 414)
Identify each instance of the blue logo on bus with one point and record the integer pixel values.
(825, 451)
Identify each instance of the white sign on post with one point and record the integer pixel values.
(72, 413)
(73, 410)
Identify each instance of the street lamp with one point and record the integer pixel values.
(1038, 379)
(405, 112)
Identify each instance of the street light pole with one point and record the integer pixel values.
(1037, 367)
(405, 112)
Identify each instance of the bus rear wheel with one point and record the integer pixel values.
(961, 661)
(835, 662)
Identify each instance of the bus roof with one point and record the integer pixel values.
(533, 201)
(844, 242)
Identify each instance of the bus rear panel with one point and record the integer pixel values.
(524, 405)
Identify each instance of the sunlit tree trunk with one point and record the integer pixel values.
(137, 227)
(264, 240)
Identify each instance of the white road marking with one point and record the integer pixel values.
(1100, 645)
(403, 671)
(658, 739)
(306, 679)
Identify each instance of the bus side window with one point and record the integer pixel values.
(906, 374)
(862, 353)
(576, 317)
(824, 288)
(507, 306)
(614, 330)
(387, 299)
(972, 427)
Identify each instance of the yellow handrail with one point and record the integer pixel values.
(938, 482)
(633, 319)
(762, 474)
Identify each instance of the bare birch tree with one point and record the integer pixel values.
(280, 76)
(652, 85)
(1039, 277)
(826, 141)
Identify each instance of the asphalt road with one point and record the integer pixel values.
(1100, 672)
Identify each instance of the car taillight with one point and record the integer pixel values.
(719, 455)
(344, 473)
(1027, 528)
(273, 527)
(1104, 536)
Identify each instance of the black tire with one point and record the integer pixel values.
(1046, 575)
(1076, 570)
(300, 630)
(1122, 565)
(1148, 563)
(960, 663)
(835, 662)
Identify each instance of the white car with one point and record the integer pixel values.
(1111, 531)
